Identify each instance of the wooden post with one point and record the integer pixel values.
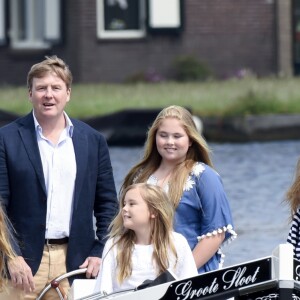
(284, 37)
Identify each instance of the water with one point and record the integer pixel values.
(256, 177)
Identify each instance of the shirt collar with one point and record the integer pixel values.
(69, 128)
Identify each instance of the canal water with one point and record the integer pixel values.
(256, 177)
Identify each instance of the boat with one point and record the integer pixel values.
(273, 277)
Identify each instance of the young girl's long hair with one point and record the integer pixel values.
(293, 193)
(6, 251)
(161, 231)
(198, 151)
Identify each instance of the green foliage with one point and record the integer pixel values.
(258, 102)
(252, 104)
(209, 98)
(188, 68)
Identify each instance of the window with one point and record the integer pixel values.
(165, 15)
(2, 22)
(34, 23)
(121, 18)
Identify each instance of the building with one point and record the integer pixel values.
(113, 40)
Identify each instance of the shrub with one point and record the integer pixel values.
(150, 76)
(188, 68)
(254, 103)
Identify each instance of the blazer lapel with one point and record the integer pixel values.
(28, 136)
(81, 153)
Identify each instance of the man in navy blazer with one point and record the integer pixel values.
(55, 174)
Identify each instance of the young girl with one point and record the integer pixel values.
(293, 198)
(177, 158)
(142, 244)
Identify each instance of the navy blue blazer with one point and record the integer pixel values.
(23, 191)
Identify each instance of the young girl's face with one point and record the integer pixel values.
(172, 140)
(135, 213)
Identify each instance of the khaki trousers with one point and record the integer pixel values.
(53, 264)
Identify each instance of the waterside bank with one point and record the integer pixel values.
(129, 127)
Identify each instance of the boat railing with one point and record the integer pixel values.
(54, 284)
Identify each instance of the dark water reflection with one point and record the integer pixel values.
(256, 177)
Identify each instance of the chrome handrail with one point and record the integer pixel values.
(55, 283)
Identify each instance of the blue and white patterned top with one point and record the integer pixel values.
(203, 211)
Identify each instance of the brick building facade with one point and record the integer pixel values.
(228, 35)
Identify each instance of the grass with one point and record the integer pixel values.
(212, 98)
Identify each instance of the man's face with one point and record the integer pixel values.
(49, 96)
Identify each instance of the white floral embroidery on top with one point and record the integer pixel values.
(189, 184)
(197, 170)
(154, 181)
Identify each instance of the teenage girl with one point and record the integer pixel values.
(177, 158)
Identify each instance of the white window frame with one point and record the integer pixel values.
(2, 22)
(51, 16)
(120, 34)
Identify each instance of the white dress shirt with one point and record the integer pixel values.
(59, 167)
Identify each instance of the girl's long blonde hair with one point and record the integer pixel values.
(151, 160)
(161, 231)
(293, 193)
(6, 250)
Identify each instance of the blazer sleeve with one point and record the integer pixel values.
(5, 195)
(106, 204)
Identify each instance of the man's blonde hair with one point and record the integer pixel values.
(52, 64)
